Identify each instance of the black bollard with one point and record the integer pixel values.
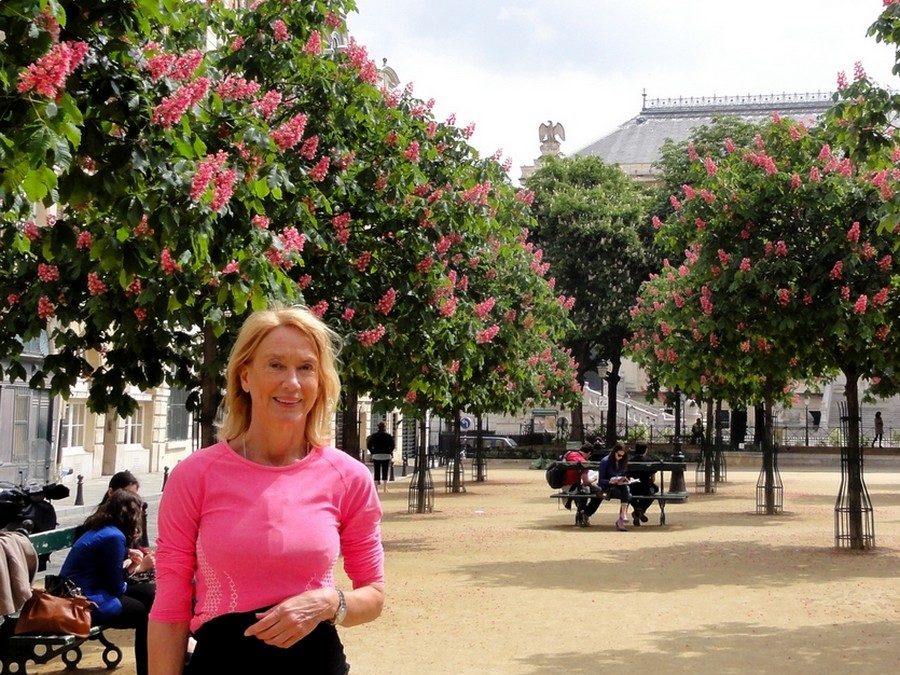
(145, 538)
(403, 471)
(79, 491)
(391, 472)
(165, 477)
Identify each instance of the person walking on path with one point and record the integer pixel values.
(381, 446)
(251, 528)
(879, 430)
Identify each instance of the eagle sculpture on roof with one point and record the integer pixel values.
(548, 133)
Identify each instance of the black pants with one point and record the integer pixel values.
(381, 469)
(642, 489)
(222, 647)
(136, 605)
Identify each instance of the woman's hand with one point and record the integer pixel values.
(293, 619)
(147, 563)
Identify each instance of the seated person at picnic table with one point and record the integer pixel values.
(581, 479)
(95, 565)
(697, 432)
(645, 487)
(613, 478)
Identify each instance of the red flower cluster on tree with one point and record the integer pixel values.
(47, 76)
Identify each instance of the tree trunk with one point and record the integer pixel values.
(209, 389)
(456, 483)
(708, 457)
(718, 453)
(422, 469)
(479, 450)
(768, 440)
(612, 381)
(854, 462)
(578, 422)
(350, 422)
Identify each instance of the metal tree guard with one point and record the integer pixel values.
(421, 485)
(706, 466)
(777, 487)
(842, 507)
(455, 474)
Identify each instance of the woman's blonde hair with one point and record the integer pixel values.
(238, 405)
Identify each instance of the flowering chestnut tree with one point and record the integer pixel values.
(785, 274)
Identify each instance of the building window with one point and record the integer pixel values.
(21, 423)
(178, 423)
(134, 427)
(73, 428)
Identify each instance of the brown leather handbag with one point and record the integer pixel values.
(51, 615)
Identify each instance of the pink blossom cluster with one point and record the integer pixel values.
(710, 165)
(796, 181)
(482, 309)
(815, 175)
(348, 314)
(45, 308)
(313, 44)
(675, 202)
(761, 159)
(859, 307)
(469, 130)
(510, 316)
(447, 307)
(807, 298)
(320, 170)
(167, 263)
(853, 232)
(260, 221)
(140, 314)
(837, 271)
(431, 129)
(47, 76)
(341, 225)
(729, 145)
(386, 303)
(410, 396)
(47, 272)
(268, 103)
(134, 288)
(845, 292)
(13, 299)
(369, 337)
(319, 308)
(212, 169)
(453, 368)
(841, 80)
(700, 224)
(332, 20)
(689, 192)
(879, 180)
(84, 240)
(345, 160)
(487, 335)
(425, 264)
(477, 194)
(231, 268)
(237, 43)
(859, 72)
(882, 332)
(235, 88)
(359, 61)
(745, 346)
(292, 240)
(309, 147)
(567, 303)
(48, 22)
(171, 108)
(412, 152)
(290, 133)
(362, 262)
(781, 249)
(784, 296)
(95, 284)
(692, 152)
(745, 265)
(304, 281)
(885, 263)
(707, 196)
(705, 300)
(280, 31)
(31, 230)
(657, 223)
(276, 258)
(881, 296)
(723, 256)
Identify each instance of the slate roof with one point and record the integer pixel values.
(635, 145)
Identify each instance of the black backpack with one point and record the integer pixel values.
(556, 475)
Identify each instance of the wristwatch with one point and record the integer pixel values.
(341, 612)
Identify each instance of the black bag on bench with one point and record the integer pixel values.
(556, 475)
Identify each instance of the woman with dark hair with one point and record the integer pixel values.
(613, 478)
(95, 565)
(123, 480)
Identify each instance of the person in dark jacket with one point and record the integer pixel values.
(613, 477)
(381, 446)
(96, 564)
(645, 487)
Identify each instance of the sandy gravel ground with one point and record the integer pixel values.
(498, 580)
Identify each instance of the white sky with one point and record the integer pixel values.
(508, 65)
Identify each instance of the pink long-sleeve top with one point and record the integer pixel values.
(235, 536)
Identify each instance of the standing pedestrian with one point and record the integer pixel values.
(879, 430)
(381, 446)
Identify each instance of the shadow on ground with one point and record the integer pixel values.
(857, 648)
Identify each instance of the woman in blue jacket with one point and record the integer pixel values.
(99, 562)
(613, 478)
